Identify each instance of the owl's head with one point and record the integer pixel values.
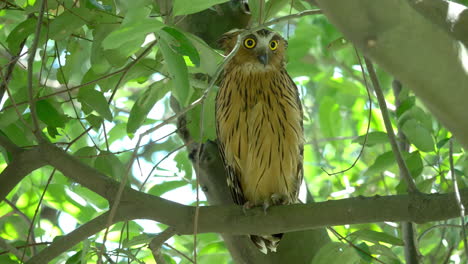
(260, 50)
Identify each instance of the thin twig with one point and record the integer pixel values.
(32, 54)
(157, 242)
(14, 104)
(436, 226)
(457, 197)
(70, 89)
(26, 219)
(9, 71)
(369, 118)
(11, 249)
(179, 252)
(160, 161)
(406, 175)
(297, 15)
(340, 237)
(129, 66)
(65, 81)
(31, 225)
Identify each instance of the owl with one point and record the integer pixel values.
(259, 125)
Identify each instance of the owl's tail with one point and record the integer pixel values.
(266, 243)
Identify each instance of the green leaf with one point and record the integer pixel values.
(181, 44)
(135, 26)
(384, 251)
(117, 132)
(376, 237)
(86, 154)
(418, 135)
(254, 6)
(52, 131)
(95, 121)
(329, 116)
(20, 33)
(213, 248)
(68, 22)
(381, 163)
(337, 44)
(185, 7)
(138, 240)
(76, 63)
(194, 120)
(373, 138)
(184, 164)
(407, 104)
(49, 114)
(97, 5)
(273, 7)
(209, 59)
(109, 164)
(75, 259)
(414, 163)
(335, 252)
(95, 101)
(177, 71)
(145, 102)
(364, 253)
(442, 142)
(166, 186)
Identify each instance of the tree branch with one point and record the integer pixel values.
(23, 163)
(431, 62)
(231, 219)
(405, 173)
(8, 145)
(32, 55)
(407, 228)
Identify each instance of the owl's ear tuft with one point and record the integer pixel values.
(228, 40)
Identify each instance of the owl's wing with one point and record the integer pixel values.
(233, 176)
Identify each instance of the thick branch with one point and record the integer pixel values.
(23, 163)
(414, 48)
(231, 219)
(8, 145)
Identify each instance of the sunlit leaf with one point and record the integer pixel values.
(135, 26)
(381, 163)
(373, 138)
(166, 186)
(334, 252)
(374, 236)
(181, 44)
(109, 164)
(178, 72)
(145, 103)
(418, 135)
(49, 114)
(185, 7)
(95, 101)
(66, 23)
(20, 33)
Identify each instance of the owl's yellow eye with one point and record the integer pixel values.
(249, 43)
(273, 44)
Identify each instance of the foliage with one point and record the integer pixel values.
(104, 73)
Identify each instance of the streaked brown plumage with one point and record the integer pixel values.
(259, 125)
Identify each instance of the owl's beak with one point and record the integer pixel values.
(263, 58)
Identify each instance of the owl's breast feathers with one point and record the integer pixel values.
(259, 125)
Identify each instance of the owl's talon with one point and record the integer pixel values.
(247, 206)
(265, 206)
(279, 199)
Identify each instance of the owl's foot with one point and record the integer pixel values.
(275, 199)
(247, 206)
